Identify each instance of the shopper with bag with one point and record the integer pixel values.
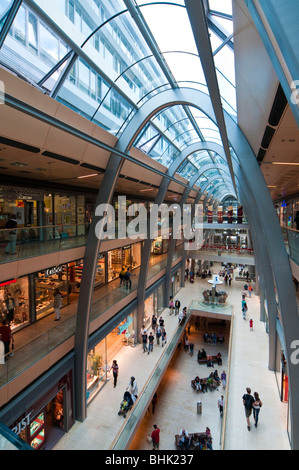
(155, 436)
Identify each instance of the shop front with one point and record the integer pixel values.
(46, 282)
(175, 284)
(159, 246)
(44, 423)
(14, 302)
(154, 304)
(99, 359)
(128, 256)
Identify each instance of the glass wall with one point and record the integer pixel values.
(99, 359)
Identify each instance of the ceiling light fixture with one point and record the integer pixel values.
(149, 189)
(284, 163)
(88, 176)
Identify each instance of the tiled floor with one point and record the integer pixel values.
(177, 402)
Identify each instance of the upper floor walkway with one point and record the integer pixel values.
(41, 344)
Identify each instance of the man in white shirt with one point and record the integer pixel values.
(184, 441)
(221, 404)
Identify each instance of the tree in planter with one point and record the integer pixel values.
(96, 362)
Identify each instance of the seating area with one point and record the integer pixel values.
(212, 337)
(197, 441)
(203, 357)
(212, 382)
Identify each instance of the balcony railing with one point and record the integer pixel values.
(28, 242)
(42, 344)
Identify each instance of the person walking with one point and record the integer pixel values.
(244, 309)
(144, 340)
(150, 343)
(115, 370)
(171, 306)
(257, 404)
(250, 289)
(223, 379)
(57, 304)
(122, 277)
(158, 334)
(221, 405)
(248, 401)
(132, 388)
(155, 437)
(12, 235)
(177, 306)
(128, 280)
(163, 338)
(191, 346)
(251, 324)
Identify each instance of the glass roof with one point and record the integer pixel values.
(92, 56)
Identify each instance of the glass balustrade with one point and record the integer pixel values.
(28, 242)
(41, 345)
(147, 392)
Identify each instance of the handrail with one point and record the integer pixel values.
(146, 385)
(46, 342)
(44, 226)
(223, 422)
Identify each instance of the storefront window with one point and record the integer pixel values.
(65, 214)
(159, 246)
(175, 283)
(122, 258)
(148, 311)
(114, 264)
(135, 255)
(41, 425)
(99, 359)
(14, 302)
(45, 284)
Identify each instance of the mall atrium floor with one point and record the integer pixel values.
(245, 360)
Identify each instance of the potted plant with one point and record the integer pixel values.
(96, 362)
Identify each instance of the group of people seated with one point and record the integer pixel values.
(199, 441)
(201, 385)
(213, 338)
(203, 355)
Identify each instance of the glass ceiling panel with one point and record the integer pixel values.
(163, 152)
(118, 54)
(5, 6)
(31, 48)
(89, 94)
(187, 170)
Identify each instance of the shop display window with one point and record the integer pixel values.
(45, 284)
(37, 431)
(123, 258)
(114, 263)
(99, 359)
(14, 302)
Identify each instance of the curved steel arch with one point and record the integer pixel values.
(217, 186)
(247, 171)
(213, 178)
